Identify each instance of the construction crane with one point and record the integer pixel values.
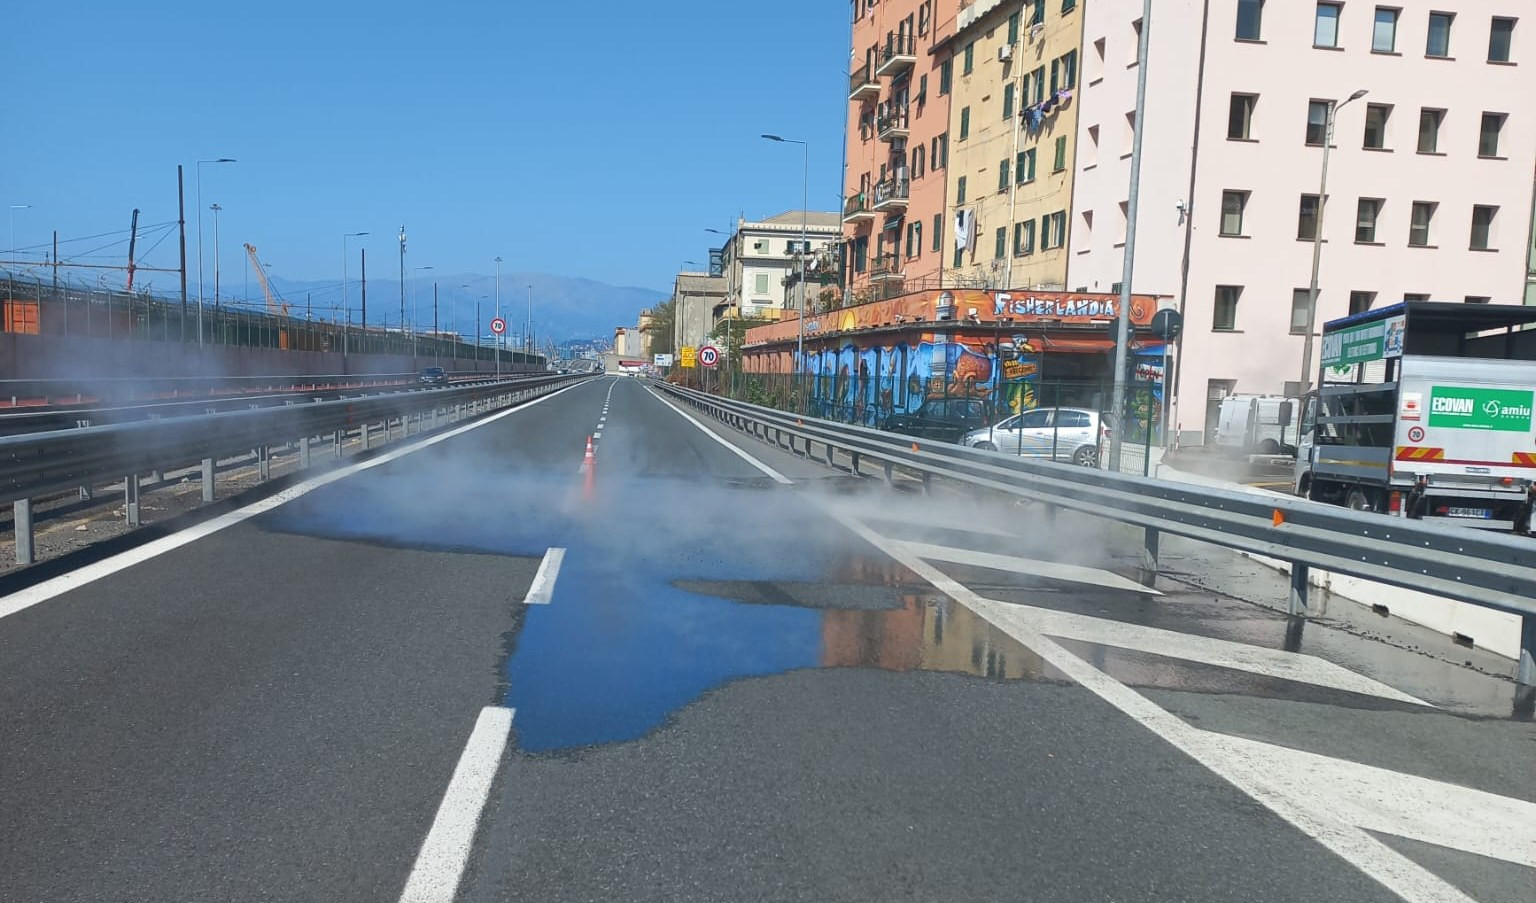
(275, 302)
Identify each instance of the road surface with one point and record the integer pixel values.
(696, 667)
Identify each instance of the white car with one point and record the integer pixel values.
(1062, 434)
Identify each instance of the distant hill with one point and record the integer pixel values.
(564, 307)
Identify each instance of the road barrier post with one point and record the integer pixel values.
(304, 452)
(1526, 672)
(1149, 546)
(21, 518)
(131, 498)
(1301, 576)
(207, 480)
(264, 462)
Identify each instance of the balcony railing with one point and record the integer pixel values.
(898, 54)
(892, 194)
(863, 84)
(885, 267)
(857, 209)
(892, 123)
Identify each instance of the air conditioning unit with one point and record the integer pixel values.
(1005, 52)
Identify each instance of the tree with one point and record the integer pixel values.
(663, 323)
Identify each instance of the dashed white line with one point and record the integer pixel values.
(440, 864)
(543, 587)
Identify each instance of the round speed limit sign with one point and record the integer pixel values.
(498, 326)
(709, 356)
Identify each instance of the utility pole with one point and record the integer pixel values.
(402, 279)
(500, 340)
(1123, 315)
(181, 225)
(528, 327)
(363, 253)
(215, 208)
(437, 337)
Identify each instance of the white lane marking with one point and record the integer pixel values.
(542, 590)
(597, 434)
(1294, 666)
(1028, 566)
(48, 589)
(773, 474)
(936, 520)
(1314, 817)
(440, 863)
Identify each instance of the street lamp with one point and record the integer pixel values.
(215, 208)
(344, 305)
(528, 329)
(1317, 242)
(805, 188)
(200, 241)
(15, 207)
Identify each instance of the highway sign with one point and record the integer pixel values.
(709, 356)
(498, 326)
(690, 356)
(663, 360)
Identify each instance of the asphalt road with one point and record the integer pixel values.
(746, 680)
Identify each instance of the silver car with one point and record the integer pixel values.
(1063, 434)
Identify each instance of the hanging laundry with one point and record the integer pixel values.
(1064, 95)
(964, 220)
(1049, 105)
(1036, 117)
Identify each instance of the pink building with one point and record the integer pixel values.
(1429, 182)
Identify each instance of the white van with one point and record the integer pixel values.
(1250, 425)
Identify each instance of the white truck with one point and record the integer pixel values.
(1425, 410)
(1253, 425)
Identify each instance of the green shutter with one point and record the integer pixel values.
(1002, 175)
(970, 58)
(1013, 29)
(1000, 242)
(960, 191)
(1039, 18)
(965, 123)
(1069, 64)
(1040, 84)
(1055, 76)
(1008, 101)
(1061, 153)
(938, 232)
(946, 75)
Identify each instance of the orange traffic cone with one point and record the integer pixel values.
(589, 468)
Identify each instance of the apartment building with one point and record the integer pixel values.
(761, 259)
(1429, 179)
(1011, 69)
(897, 146)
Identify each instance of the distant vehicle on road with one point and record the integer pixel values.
(433, 376)
(947, 419)
(1061, 434)
(1250, 425)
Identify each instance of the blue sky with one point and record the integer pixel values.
(591, 139)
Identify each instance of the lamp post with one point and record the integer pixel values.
(528, 330)
(347, 331)
(1317, 242)
(805, 189)
(15, 207)
(499, 339)
(215, 208)
(200, 241)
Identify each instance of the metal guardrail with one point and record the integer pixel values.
(1491, 570)
(42, 464)
(61, 392)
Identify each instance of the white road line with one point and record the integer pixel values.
(542, 590)
(773, 474)
(597, 434)
(1029, 566)
(1318, 818)
(440, 864)
(48, 589)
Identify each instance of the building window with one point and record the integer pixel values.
(1325, 31)
(1096, 62)
(1429, 130)
(946, 75)
(1301, 310)
(940, 156)
(1250, 18)
(1008, 101)
(970, 59)
(1024, 168)
(1384, 35)
(1415, 296)
(1240, 117)
(1499, 39)
(919, 161)
(1037, 79)
(1482, 227)
(1029, 236)
(960, 190)
(1439, 41)
(860, 253)
(1224, 318)
(1366, 215)
(915, 239)
(959, 257)
(760, 284)
(1360, 302)
(1092, 157)
(1135, 43)
(1476, 299)
(1488, 135)
(1306, 220)
(1053, 230)
(1125, 220)
(1039, 17)
(1002, 174)
(1376, 116)
(965, 123)
(1085, 230)
(1018, 239)
(1060, 162)
(938, 233)
(1055, 76)
(1130, 134)
(1068, 5)
(1317, 121)
(1069, 69)
(1000, 243)
(1232, 205)
(1013, 29)
(1418, 229)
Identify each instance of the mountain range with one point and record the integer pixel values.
(564, 307)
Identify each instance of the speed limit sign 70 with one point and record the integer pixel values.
(709, 356)
(498, 326)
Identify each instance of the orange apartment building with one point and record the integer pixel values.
(898, 147)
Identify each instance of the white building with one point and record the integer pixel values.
(759, 256)
(1429, 182)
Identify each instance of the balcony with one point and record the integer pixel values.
(863, 84)
(857, 209)
(886, 268)
(891, 124)
(898, 55)
(891, 195)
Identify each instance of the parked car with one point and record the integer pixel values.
(946, 419)
(433, 376)
(1062, 434)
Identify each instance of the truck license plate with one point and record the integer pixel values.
(1479, 513)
